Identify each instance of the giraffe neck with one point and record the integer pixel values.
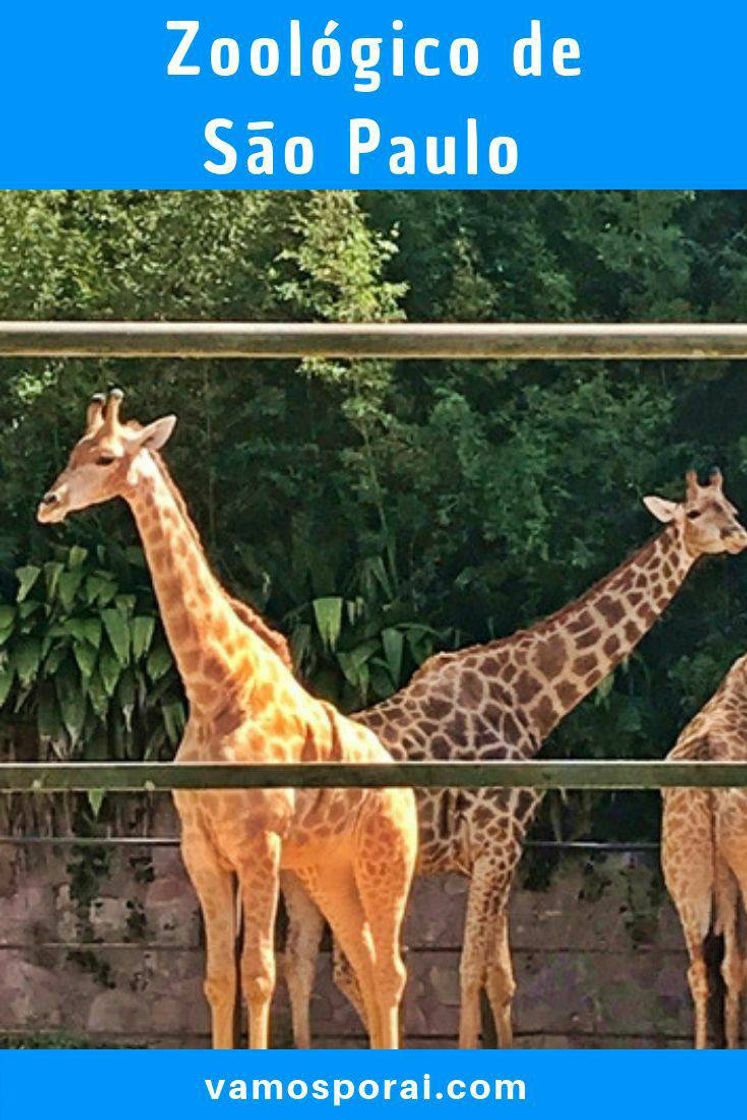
(202, 628)
(550, 668)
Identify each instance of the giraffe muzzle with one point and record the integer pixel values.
(51, 508)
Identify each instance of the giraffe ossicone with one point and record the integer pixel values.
(501, 700)
(353, 850)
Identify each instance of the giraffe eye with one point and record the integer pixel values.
(104, 460)
(694, 513)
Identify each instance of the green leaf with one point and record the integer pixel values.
(126, 603)
(54, 659)
(75, 627)
(26, 658)
(100, 589)
(29, 607)
(7, 676)
(72, 703)
(109, 668)
(142, 635)
(86, 656)
(27, 577)
(76, 556)
(98, 694)
(92, 631)
(393, 643)
(115, 624)
(7, 616)
(95, 800)
(68, 586)
(52, 572)
(328, 615)
(159, 662)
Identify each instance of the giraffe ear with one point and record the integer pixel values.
(156, 435)
(662, 508)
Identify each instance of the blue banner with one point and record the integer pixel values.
(396, 95)
(544, 1085)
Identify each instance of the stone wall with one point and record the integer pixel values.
(105, 945)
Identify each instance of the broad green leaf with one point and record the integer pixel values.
(68, 585)
(72, 703)
(27, 577)
(75, 626)
(54, 659)
(301, 642)
(142, 635)
(29, 607)
(100, 590)
(92, 631)
(126, 603)
(97, 693)
(393, 643)
(159, 662)
(7, 615)
(76, 556)
(110, 669)
(52, 572)
(116, 626)
(26, 658)
(7, 675)
(328, 615)
(86, 656)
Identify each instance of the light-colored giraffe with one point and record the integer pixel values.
(353, 850)
(502, 700)
(704, 850)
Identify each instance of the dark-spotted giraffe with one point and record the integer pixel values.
(353, 850)
(502, 700)
(704, 850)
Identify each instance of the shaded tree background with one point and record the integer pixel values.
(374, 511)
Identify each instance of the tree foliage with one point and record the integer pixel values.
(375, 511)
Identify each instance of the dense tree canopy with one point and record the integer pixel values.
(376, 510)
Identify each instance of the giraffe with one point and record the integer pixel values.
(704, 850)
(502, 700)
(353, 850)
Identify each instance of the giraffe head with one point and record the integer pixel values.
(105, 461)
(706, 520)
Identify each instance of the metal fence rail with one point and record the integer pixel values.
(374, 340)
(136, 777)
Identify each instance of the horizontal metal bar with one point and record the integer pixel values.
(374, 340)
(173, 842)
(149, 776)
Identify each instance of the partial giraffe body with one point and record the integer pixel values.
(353, 850)
(704, 851)
(498, 701)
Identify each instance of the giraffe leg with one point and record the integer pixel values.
(215, 890)
(335, 891)
(500, 982)
(305, 928)
(488, 897)
(383, 871)
(733, 852)
(687, 859)
(727, 900)
(345, 979)
(259, 883)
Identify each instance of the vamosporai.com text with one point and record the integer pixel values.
(339, 1090)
